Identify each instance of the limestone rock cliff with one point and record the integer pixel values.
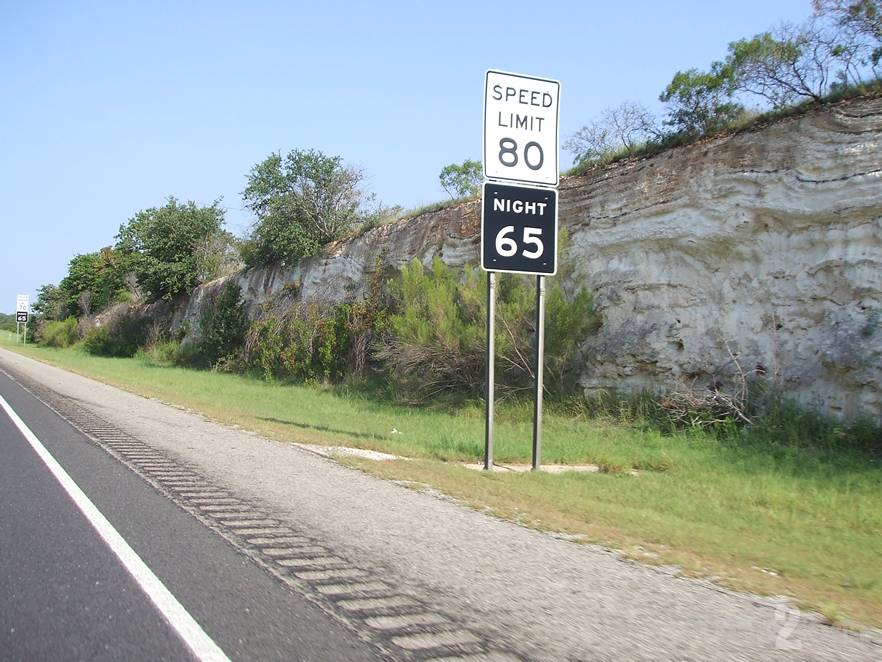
(765, 245)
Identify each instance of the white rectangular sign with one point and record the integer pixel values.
(521, 128)
(21, 303)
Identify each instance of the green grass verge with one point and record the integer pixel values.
(762, 517)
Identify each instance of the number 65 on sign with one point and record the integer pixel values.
(519, 229)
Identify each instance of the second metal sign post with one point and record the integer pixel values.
(519, 223)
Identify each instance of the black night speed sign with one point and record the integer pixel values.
(21, 317)
(519, 229)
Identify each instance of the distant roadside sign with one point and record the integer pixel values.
(21, 303)
(521, 128)
(519, 229)
(21, 317)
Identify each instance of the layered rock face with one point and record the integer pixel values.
(759, 251)
(767, 244)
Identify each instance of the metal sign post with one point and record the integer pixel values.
(491, 356)
(540, 355)
(519, 222)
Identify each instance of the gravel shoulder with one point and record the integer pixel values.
(533, 593)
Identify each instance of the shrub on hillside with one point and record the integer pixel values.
(97, 341)
(160, 353)
(121, 335)
(314, 341)
(309, 343)
(318, 341)
(221, 331)
(59, 334)
(425, 332)
(436, 342)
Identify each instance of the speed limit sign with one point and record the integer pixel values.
(521, 128)
(519, 209)
(519, 229)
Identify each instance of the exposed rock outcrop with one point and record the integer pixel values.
(766, 243)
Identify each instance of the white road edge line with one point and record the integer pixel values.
(190, 632)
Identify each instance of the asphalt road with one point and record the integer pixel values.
(65, 595)
(279, 553)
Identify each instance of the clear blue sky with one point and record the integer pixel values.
(108, 108)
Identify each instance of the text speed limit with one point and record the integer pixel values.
(521, 128)
(519, 229)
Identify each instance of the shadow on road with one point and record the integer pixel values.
(321, 428)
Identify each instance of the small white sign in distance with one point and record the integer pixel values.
(21, 303)
(521, 116)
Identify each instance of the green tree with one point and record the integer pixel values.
(770, 68)
(861, 22)
(7, 322)
(623, 128)
(302, 201)
(700, 102)
(169, 247)
(795, 62)
(50, 303)
(462, 180)
(93, 282)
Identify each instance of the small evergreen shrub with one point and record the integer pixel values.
(97, 341)
(160, 353)
(59, 333)
(222, 328)
(313, 342)
(317, 341)
(121, 335)
(436, 342)
(308, 344)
